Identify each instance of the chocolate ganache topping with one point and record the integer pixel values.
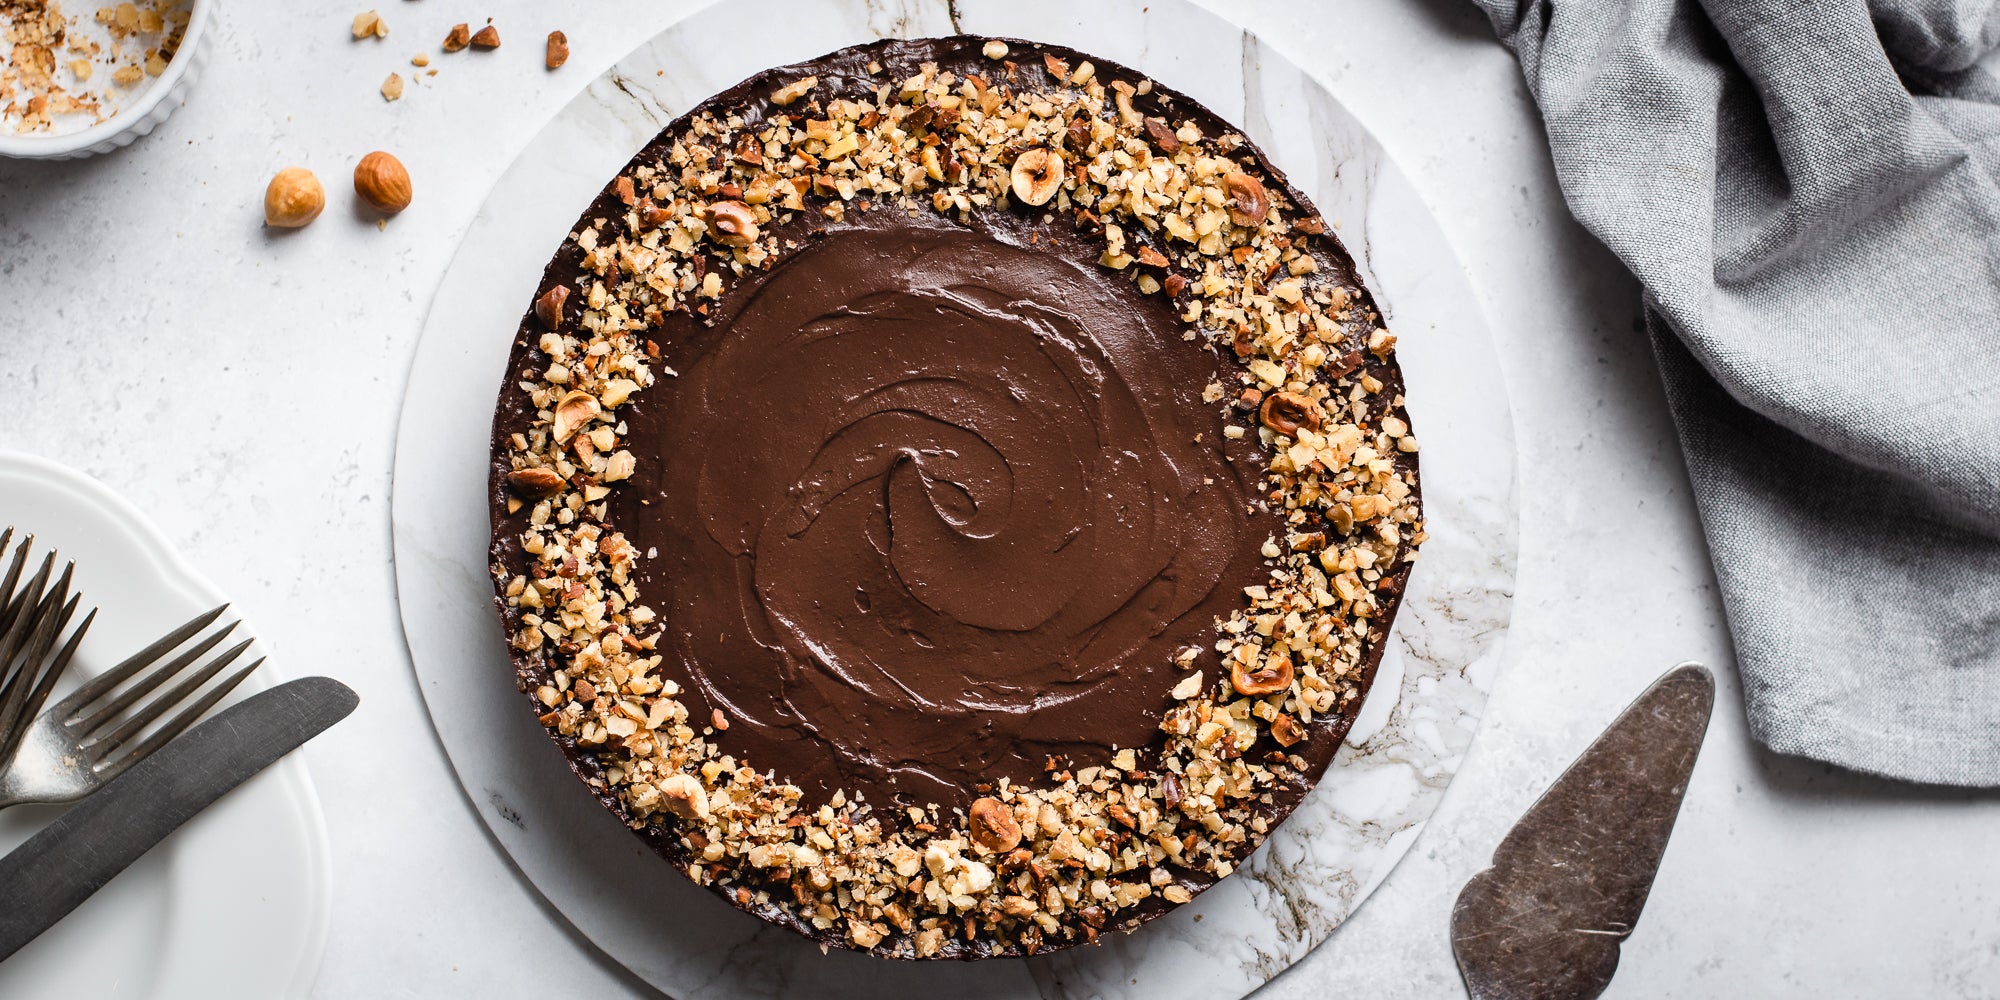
(934, 506)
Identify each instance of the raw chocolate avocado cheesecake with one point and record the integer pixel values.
(950, 497)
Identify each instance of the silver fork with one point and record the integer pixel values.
(79, 744)
(31, 619)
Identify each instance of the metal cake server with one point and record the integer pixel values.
(1569, 880)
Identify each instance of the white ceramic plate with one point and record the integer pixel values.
(1326, 858)
(233, 906)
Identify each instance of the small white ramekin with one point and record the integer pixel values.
(133, 119)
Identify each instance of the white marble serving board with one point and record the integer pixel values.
(1340, 843)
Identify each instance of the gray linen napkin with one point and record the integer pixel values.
(1808, 192)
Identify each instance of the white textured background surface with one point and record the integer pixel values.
(242, 387)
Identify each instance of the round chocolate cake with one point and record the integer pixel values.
(950, 496)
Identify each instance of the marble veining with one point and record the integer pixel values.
(1317, 867)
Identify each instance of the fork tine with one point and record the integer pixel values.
(26, 597)
(14, 570)
(24, 622)
(48, 624)
(13, 577)
(104, 682)
(17, 600)
(103, 715)
(45, 622)
(42, 690)
(143, 717)
(174, 726)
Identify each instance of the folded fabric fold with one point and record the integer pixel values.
(1810, 194)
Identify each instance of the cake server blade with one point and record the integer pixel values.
(61, 866)
(1569, 880)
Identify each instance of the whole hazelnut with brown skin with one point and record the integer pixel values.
(992, 825)
(293, 198)
(382, 182)
(732, 223)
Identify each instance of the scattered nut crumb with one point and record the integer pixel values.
(392, 88)
(558, 50)
(793, 91)
(486, 38)
(460, 36)
(369, 24)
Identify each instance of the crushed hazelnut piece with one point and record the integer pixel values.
(993, 825)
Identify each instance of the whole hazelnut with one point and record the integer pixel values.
(293, 198)
(992, 825)
(382, 182)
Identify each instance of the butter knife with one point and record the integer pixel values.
(1569, 880)
(61, 866)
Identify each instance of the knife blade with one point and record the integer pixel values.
(1568, 882)
(63, 864)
